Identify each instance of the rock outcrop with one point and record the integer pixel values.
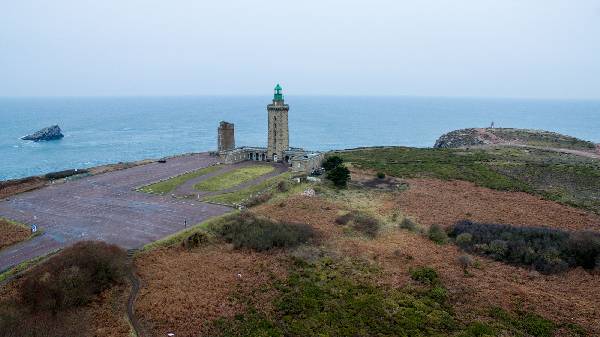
(509, 136)
(50, 133)
(459, 138)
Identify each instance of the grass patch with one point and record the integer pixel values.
(182, 235)
(548, 250)
(243, 195)
(233, 178)
(169, 185)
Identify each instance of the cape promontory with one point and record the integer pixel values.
(510, 136)
(50, 133)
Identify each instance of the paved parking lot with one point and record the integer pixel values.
(106, 207)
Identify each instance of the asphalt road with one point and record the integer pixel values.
(105, 207)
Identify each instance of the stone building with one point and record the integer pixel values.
(278, 148)
(279, 139)
(226, 136)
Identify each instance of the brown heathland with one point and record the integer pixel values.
(11, 233)
(433, 201)
(183, 291)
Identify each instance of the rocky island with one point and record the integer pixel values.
(49, 133)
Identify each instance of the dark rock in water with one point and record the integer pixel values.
(49, 133)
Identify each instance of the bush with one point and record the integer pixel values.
(465, 261)
(195, 240)
(408, 223)
(283, 186)
(332, 162)
(464, 239)
(246, 230)
(361, 222)
(340, 175)
(74, 276)
(380, 175)
(437, 234)
(547, 250)
(258, 199)
(425, 275)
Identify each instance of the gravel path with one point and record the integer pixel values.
(105, 207)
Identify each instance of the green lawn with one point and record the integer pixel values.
(237, 197)
(167, 186)
(233, 178)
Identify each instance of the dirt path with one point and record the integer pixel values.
(135, 289)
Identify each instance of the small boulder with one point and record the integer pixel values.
(49, 133)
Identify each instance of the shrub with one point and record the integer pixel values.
(380, 175)
(74, 276)
(332, 162)
(465, 261)
(195, 240)
(246, 230)
(437, 234)
(340, 175)
(258, 199)
(585, 248)
(547, 250)
(361, 222)
(425, 275)
(408, 223)
(464, 239)
(283, 186)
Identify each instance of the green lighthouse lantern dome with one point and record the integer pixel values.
(278, 96)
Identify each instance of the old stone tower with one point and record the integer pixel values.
(225, 136)
(279, 139)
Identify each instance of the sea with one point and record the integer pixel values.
(101, 130)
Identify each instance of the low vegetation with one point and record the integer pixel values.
(12, 232)
(361, 222)
(248, 231)
(169, 185)
(566, 178)
(547, 250)
(48, 293)
(74, 276)
(437, 234)
(233, 178)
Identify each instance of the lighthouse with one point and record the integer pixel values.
(279, 139)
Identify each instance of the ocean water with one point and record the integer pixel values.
(112, 129)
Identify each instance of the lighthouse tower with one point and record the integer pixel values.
(279, 139)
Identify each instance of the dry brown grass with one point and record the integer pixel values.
(103, 317)
(446, 202)
(11, 233)
(569, 297)
(184, 291)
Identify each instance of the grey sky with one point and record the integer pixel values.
(511, 48)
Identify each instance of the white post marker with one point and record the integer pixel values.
(33, 228)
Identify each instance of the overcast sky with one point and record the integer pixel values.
(506, 48)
